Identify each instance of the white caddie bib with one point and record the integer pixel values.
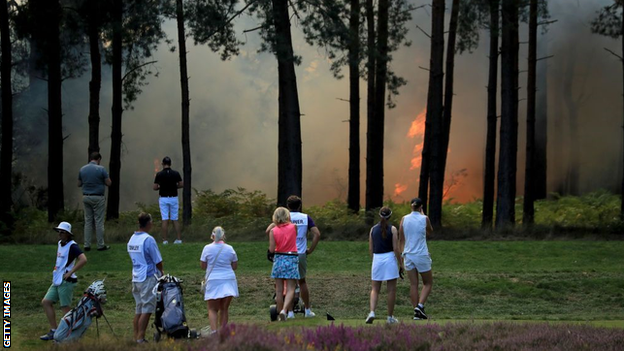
(301, 221)
(61, 267)
(136, 247)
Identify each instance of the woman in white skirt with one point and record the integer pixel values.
(220, 261)
(383, 246)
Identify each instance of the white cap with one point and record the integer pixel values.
(64, 226)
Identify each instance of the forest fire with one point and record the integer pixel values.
(417, 132)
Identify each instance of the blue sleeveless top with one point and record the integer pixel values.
(381, 245)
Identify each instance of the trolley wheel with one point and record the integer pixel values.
(193, 334)
(273, 312)
(156, 336)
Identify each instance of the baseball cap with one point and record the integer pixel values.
(416, 202)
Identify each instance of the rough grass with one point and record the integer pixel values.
(562, 281)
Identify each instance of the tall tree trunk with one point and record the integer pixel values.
(6, 157)
(112, 209)
(375, 148)
(540, 164)
(437, 184)
(490, 145)
(622, 190)
(289, 145)
(433, 119)
(370, 99)
(94, 88)
(353, 197)
(528, 216)
(187, 209)
(505, 211)
(56, 200)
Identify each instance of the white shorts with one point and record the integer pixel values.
(420, 262)
(385, 267)
(220, 288)
(169, 208)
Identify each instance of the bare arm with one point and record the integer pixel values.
(79, 182)
(80, 262)
(401, 236)
(159, 266)
(203, 265)
(370, 243)
(180, 184)
(316, 236)
(156, 186)
(429, 228)
(234, 265)
(108, 182)
(271, 241)
(268, 230)
(395, 245)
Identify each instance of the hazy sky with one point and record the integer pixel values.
(234, 115)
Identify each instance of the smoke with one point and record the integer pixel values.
(234, 116)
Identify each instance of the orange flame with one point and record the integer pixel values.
(417, 130)
(399, 188)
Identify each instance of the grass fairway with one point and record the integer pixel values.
(555, 281)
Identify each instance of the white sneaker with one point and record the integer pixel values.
(291, 315)
(309, 314)
(370, 318)
(281, 316)
(178, 241)
(165, 242)
(392, 320)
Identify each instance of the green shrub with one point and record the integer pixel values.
(245, 215)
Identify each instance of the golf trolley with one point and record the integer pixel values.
(298, 306)
(170, 318)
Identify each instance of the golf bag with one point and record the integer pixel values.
(170, 318)
(298, 306)
(76, 322)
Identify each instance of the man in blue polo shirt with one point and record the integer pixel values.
(147, 266)
(94, 179)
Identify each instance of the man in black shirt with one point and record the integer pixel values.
(167, 182)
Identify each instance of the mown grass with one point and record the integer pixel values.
(473, 280)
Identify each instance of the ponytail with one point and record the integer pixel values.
(218, 233)
(384, 213)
